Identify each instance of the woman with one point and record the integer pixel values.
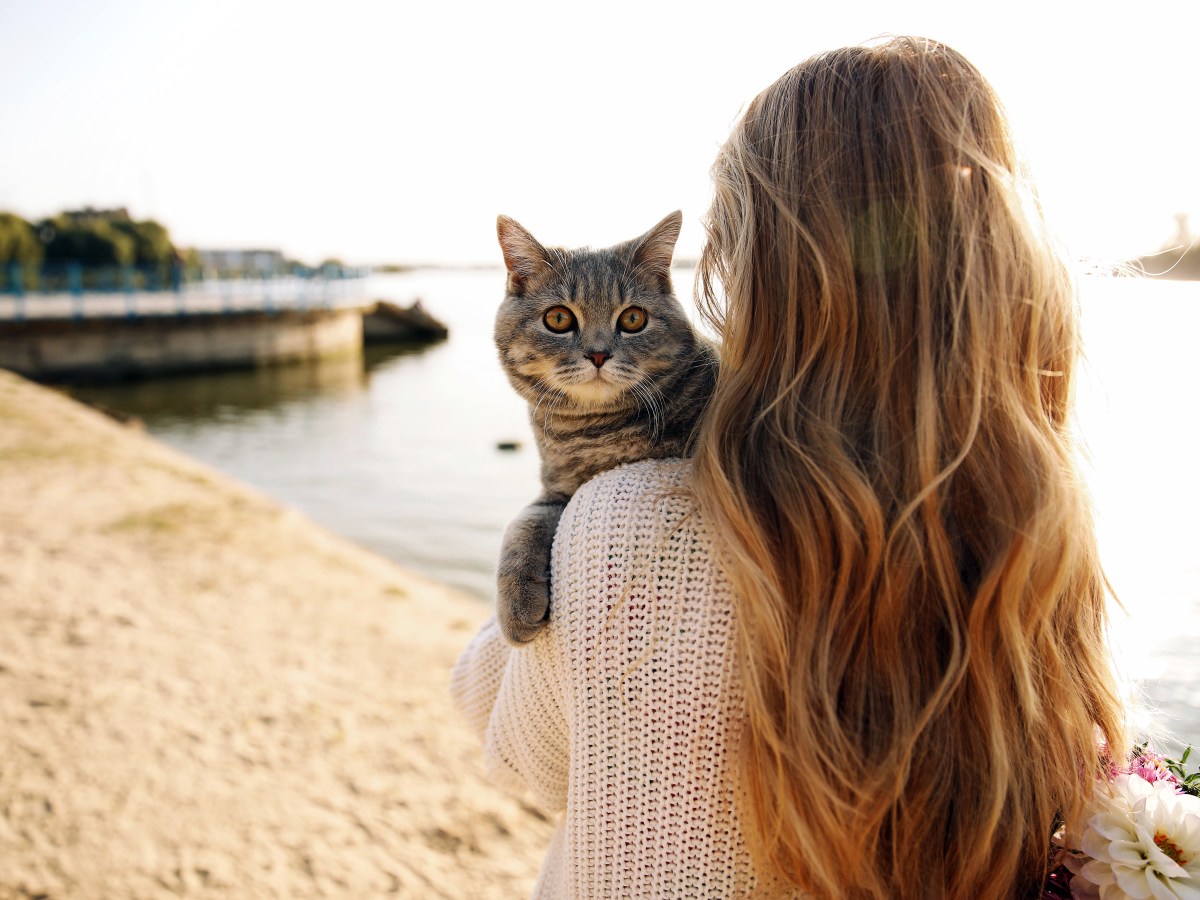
(855, 648)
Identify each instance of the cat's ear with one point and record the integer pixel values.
(524, 257)
(653, 250)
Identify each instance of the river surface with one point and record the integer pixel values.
(399, 453)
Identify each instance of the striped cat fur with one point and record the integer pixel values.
(597, 344)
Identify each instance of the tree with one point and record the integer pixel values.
(152, 244)
(18, 242)
(96, 243)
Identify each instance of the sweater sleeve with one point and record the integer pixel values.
(475, 681)
(511, 698)
(626, 711)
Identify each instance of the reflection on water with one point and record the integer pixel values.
(377, 355)
(398, 452)
(228, 396)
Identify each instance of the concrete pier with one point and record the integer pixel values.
(115, 347)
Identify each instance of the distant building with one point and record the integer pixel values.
(90, 215)
(245, 262)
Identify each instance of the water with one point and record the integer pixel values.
(400, 454)
(1137, 412)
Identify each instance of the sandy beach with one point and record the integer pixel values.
(202, 693)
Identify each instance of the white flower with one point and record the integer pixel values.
(1140, 840)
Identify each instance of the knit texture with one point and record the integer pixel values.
(624, 714)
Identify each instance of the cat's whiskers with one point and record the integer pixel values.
(697, 362)
(653, 403)
(556, 397)
(590, 388)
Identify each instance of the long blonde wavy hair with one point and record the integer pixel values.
(887, 466)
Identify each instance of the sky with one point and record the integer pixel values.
(398, 131)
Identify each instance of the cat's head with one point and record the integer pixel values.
(590, 328)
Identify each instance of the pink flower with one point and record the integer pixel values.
(1150, 767)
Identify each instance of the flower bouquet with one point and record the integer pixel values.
(1139, 837)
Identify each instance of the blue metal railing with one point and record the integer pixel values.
(57, 291)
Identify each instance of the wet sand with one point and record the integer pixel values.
(202, 693)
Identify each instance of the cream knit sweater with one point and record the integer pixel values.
(623, 715)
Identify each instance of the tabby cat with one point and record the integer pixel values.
(598, 345)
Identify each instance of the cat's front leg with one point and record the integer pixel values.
(523, 576)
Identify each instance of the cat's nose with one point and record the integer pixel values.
(598, 357)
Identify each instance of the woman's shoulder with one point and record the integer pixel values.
(634, 481)
(639, 513)
(622, 496)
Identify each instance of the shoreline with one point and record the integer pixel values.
(207, 694)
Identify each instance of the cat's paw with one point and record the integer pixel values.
(522, 605)
(523, 575)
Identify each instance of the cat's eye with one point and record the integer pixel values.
(559, 319)
(632, 320)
